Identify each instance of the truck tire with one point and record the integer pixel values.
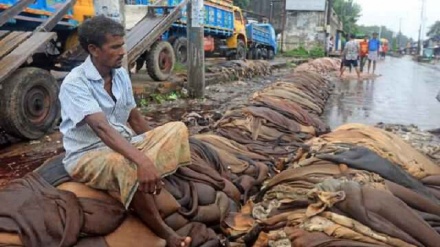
(250, 54)
(241, 50)
(181, 50)
(270, 54)
(257, 54)
(160, 61)
(29, 103)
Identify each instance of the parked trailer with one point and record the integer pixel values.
(28, 91)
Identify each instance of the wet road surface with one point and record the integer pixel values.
(405, 93)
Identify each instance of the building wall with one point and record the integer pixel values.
(335, 23)
(304, 28)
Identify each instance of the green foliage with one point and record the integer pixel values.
(302, 52)
(349, 13)
(434, 30)
(161, 98)
(386, 33)
(179, 68)
(143, 102)
(243, 4)
(317, 51)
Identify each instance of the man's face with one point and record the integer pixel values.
(111, 53)
(375, 35)
(365, 38)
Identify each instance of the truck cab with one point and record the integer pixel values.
(238, 40)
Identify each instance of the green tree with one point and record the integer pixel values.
(386, 33)
(349, 13)
(434, 30)
(243, 4)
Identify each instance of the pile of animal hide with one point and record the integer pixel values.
(356, 186)
(219, 198)
(238, 69)
(323, 65)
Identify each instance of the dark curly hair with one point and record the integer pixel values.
(93, 31)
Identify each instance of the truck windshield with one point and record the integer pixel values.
(237, 16)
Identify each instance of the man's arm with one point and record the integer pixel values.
(138, 122)
(149, 180)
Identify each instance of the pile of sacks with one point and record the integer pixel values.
(355, 186)
(250, 144)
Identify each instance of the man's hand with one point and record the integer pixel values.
(149, 180)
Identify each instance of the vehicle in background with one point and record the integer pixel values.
(39, 36)
(226, 33)
(262, 42)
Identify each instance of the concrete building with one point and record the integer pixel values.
(309, 23)
(302, 22)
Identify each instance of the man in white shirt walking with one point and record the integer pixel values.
(350, 55)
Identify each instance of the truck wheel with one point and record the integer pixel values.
(257, 54)
(181, 50)
(160, 61)
(29, 103)
(241, 50)
(270, 54)
(250, 54)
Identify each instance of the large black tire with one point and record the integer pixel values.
(160, 61)
(29, 103)
(257, 54)
(181, 50)
(241, 50)
(250, 54)
(270, 54)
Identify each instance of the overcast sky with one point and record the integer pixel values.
(388, 13)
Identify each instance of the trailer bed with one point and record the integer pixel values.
(16, 48)
(139, 39)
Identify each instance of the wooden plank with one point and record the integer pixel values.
(11, 41)
(14, 10)
(22, 53)
(146, 32)
(52, 21)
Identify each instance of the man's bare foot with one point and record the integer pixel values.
(177, 241)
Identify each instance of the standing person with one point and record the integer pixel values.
(384, 50)
(330, 45)
(351, 53)
(102, 151)
(343, 43)
(373, 51)
(363, 53)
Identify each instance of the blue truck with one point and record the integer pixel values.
(226, 33)
(262, 41)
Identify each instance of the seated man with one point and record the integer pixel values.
(101, 150)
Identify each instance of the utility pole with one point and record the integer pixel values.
(399, 34)
(283, 25)
(196, 52)
(422, 27)
(114, 9)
